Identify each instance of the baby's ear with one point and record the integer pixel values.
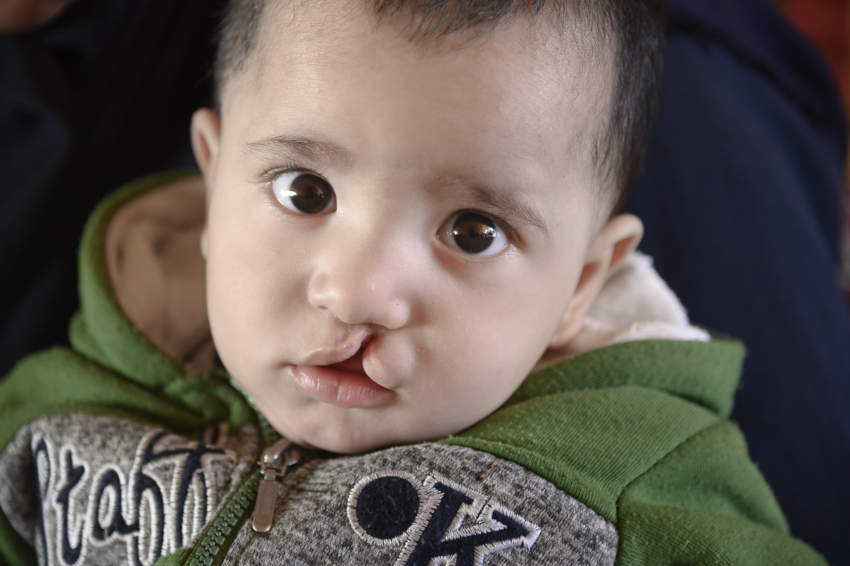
(206, 139)
(618, 238)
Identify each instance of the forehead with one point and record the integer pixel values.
(524, 94)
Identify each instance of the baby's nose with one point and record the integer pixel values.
(363, 286)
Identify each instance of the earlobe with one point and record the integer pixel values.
(206, 138)
(205, 237)
(618, 238)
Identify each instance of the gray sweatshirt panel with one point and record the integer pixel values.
(399, 506)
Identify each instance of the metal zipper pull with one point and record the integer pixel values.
(273, 464)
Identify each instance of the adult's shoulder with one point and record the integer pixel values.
(759, 35)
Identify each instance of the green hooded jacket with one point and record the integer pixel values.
(621, 455)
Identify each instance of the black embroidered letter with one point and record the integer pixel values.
(73, 475)
(108, 519)
(387, 507)
(440, 520)
(43, 471)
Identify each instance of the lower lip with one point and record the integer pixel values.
(340, 388)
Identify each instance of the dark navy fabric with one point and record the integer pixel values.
(102, 95)
(739, 196)
(759, 36)
(387, 507)
(433, 543)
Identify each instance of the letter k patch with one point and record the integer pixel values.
(437, 522)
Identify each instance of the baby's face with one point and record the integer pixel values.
(395, 235)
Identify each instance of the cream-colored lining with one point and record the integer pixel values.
(635, 304)
(157, 271)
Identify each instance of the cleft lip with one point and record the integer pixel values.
(353, 364)
(352, 347)
(343, 381)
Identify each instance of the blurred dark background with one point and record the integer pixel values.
(827, 24)
(741, 193)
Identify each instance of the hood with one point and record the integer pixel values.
(153, 257)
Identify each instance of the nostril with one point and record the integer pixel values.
(372, 299)
(321, 294)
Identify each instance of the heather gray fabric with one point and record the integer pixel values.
(115, 492)
(313, 525)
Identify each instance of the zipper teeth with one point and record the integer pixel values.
(228, 520)
(208, 550)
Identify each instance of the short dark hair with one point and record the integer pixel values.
(634, 27)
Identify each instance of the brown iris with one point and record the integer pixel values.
(310, 194)
(474, 233)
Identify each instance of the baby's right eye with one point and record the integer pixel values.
(303, 193)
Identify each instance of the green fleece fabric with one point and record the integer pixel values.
(636, 431)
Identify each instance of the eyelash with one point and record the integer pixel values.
(269, 174)
(512, 234)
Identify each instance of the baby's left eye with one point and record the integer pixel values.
(474, 234)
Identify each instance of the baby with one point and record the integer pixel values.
(404, 216)
(413, 257)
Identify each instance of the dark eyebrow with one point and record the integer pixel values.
(310, 150)
(512, 203)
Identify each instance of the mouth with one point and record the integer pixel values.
(343, 384)
(354, 364)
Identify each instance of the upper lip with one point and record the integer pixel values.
(355, 340)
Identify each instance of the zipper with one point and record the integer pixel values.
(259, 488)
(274, 463)
(208, 550)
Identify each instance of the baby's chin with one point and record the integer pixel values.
(348, 446)
(349, 442)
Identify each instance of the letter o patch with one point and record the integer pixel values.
(383, 507)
